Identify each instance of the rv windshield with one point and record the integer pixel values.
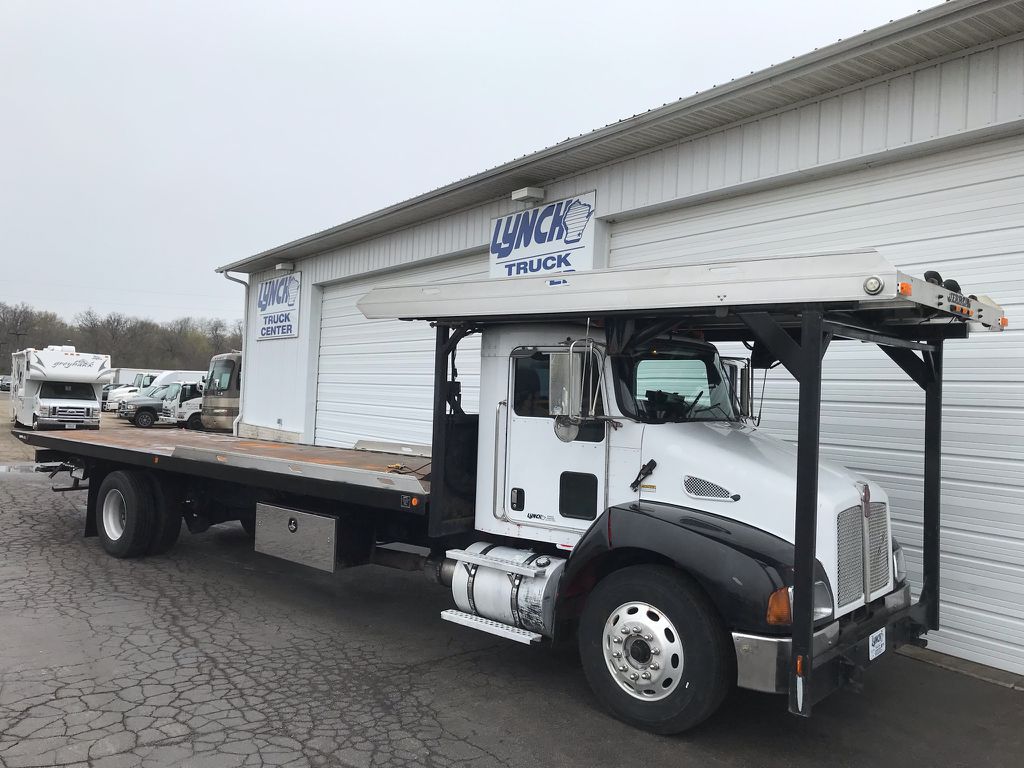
(62, 390)
(219, 378)
(675, 383)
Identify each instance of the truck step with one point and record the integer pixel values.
(524, 636)
(497, 563)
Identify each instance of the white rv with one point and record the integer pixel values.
(58, 387)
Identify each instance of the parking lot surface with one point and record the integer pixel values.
(214, 655)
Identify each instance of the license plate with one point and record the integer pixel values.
(876, 644)
(70, 426)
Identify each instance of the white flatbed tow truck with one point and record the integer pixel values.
(611, 491)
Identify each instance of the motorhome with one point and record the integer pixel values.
(58, 387)
(222, 392)
(612, 491)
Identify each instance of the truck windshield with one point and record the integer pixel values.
(219, 378)
(157, 391)
(675, 383)
(63, 390)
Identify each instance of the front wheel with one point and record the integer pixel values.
(195, 421)
(654, 650)
(144, 419)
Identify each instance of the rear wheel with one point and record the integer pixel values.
(144, 419)
(654, 650)
(195, 421)
(124, 513)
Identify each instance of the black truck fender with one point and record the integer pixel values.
(736, 565)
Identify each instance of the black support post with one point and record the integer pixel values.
(435, 521)
(806, 522)
(932, 484)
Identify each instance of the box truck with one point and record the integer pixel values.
(612, 491)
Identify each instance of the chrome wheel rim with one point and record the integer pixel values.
(115, 515)
(643, 651)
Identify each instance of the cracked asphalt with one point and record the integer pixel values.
(214, 655)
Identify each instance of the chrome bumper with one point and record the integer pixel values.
(762, 662)
(66, 421)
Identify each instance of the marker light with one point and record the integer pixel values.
(779, 609)
(905, 289)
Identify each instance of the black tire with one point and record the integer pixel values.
(166, 515)
(124, 513)
(704, 670)
(195, 421)
(144, 419)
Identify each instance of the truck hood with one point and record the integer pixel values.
(50, 402)
(755, 467)
(144, 402)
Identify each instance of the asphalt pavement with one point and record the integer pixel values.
(214, 655)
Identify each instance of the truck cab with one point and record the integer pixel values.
(183, 408)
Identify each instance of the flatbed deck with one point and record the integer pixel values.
(375, 478)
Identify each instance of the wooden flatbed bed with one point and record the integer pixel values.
(374, 478)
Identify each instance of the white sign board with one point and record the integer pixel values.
(552, 238)
(277, 307)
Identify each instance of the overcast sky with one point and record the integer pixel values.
(143, 144)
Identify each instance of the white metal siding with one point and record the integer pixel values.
(376, 376)
(961, 213)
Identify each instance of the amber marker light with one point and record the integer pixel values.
(905, 289)
(779, 611)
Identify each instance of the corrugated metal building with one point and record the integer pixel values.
(908, 139)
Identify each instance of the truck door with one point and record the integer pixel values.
(551, 481)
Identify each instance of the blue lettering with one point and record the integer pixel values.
(563, 261)
(525, 231)
(557, 231)
(539, 234)
(507, 243)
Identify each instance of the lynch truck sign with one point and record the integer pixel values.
(557, 237)
(277, 307)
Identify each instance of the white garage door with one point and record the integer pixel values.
(375, 379)
(961, 213)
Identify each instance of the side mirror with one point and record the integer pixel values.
(565, 388)
(746, 392)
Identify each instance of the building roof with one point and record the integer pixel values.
(930, 34)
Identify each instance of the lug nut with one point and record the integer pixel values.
(646, 675)
(616, 655)
(622, 668)
(655, 665)
(634, 676)
(616, 640)
(655, 651)
(648, 638)
(625, 630)
(636, 630)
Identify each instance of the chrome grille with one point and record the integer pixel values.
(698, 486)
(850, 545)
(850, 542)
(878, 545)
(68, 411)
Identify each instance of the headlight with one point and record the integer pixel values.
(780, 604)
(899, 563)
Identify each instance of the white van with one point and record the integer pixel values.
(58, 387)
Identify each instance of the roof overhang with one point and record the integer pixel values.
(927, 35)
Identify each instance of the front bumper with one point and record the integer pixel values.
(763, 662)
(67, 422)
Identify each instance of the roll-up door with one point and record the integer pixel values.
(960, 212)
(375, 377)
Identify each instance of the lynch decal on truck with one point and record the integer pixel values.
(277, 307)
(557, 237)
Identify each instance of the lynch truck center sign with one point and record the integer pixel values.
(557, 237)
(277, 307)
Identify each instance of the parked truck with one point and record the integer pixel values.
(222, 392)
(57, 387)
(612, 490)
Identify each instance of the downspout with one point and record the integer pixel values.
(245, 332)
